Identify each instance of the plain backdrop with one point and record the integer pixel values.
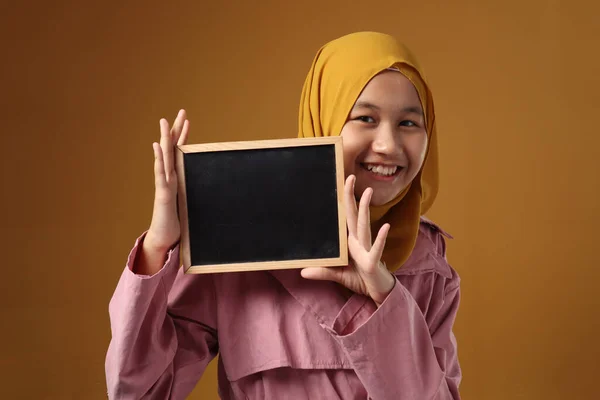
(516, 86)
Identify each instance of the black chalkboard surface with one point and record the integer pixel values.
(257, 205)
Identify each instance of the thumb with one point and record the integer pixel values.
(322, 274)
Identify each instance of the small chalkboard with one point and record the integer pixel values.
(259, 205)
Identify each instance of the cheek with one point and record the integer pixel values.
(349, 161)
(351, 149)
(418, 149)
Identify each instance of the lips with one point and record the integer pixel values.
(382, 170)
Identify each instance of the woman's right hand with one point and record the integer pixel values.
(164, 229)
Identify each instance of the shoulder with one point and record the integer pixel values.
(426, 223)
(429, 253)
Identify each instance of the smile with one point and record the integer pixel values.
(382, 170)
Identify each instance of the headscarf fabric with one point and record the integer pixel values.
(339, 72)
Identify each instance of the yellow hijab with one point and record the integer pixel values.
(340, 71)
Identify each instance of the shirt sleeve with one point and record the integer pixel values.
(395, 351)
(154, 352)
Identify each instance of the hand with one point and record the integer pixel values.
(366, 274)
(164, 229)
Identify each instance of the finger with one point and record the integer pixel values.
(184, 133)
(178, 125)
(350, 203)
(322, 274)
(167, 148)
(159, 169)
(355, 250)
(379, 245)
(364, 220)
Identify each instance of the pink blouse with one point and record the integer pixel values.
(281, 336)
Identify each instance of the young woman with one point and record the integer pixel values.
(380, 328)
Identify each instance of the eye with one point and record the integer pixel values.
(365, 118)
(408, 123)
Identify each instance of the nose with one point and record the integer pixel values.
(386, 141)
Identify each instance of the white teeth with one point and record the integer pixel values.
(382, 170)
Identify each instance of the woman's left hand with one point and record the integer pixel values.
(366, 274)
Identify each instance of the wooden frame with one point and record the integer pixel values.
(185, 249)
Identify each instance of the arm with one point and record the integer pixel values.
(398, 349)
(155, 352)
(394, 350)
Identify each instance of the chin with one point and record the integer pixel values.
(384, 198)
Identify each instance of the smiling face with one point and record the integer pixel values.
(384, 137)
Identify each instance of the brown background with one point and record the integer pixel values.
(517, 92)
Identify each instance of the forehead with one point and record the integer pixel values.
(390, 86)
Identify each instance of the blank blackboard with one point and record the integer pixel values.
(269, 204)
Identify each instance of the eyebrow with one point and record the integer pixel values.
(365, 104)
